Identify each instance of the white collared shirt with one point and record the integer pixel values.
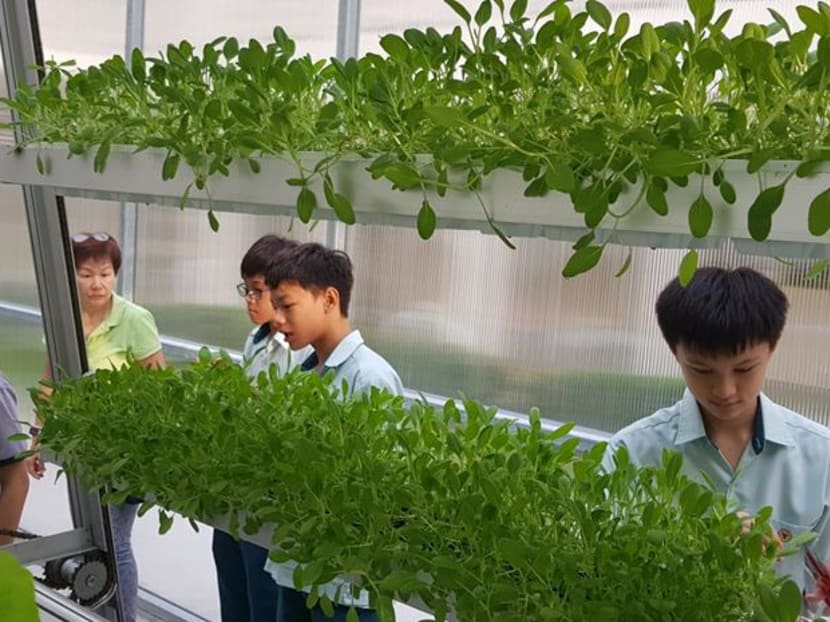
(361, 368)
(788, 468)
(263, 349)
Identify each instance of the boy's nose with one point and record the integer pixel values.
(725, 388)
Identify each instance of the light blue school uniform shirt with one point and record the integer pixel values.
(362, 368)
(262, 349)
(786, 466)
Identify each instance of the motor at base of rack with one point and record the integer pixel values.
(89, 577)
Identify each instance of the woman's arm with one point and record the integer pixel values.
(154, 361)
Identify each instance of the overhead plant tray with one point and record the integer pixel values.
(567, 124)
(500, 200)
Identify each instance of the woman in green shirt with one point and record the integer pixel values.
(114, 329)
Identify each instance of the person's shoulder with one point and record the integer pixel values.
(133, 311)
(655, 422)
(371, 369)
(802, 428)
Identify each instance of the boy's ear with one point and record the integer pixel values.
(331, 299)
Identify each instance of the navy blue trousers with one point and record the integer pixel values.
(247, 593)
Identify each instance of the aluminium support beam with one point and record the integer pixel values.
(348, 46)
(129, 210)
(54, 272)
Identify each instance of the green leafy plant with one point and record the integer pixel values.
(454, 507)
(17, 598)
(572, 99)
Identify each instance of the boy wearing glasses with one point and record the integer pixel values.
(311, 287)
(246, 592)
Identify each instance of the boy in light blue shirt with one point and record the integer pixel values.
(723, 328)
(246, 591)
(311, 288)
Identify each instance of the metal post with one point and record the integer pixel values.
(129, 211)
(348, 45)
(52, 258)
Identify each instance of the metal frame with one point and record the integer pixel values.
(129, 210)
(49, 238)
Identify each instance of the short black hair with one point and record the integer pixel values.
(722, 311)
(262, 254)
(315, 267)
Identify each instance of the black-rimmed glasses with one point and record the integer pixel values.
(249, 293)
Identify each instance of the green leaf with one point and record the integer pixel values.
(625, 265)
(559, 176)
(703, 11)
(17, 598)
(584, 240)
(185, 196)
(758, 159)
(170, 166)
(582, 260)
(213, 221)
(810, 168)
(445, 116)
(779, 19)
(759, 217)
(426, 220)
(622, 25)
(700, 217)
(727, 192)
(340, 204)
(688, 267)
(572, 68)
(755, 54)
(231, 48)
(671, 163)
(19, 436)
(790, 600)
(165, 522)
(813, 20)
(517, 10)
(306, 204)
(137, 65)
(39, 165)
(459, 9)
(599, 13)
(818, 217)
(656, 198)
(403, 175)
(485, 11)
(351, 615)
(395, 46)
(255, 165)
(708, 59)
(100, 162)
(816, 270)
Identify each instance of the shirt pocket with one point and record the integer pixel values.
(788, 531)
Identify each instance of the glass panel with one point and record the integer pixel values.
(311, 23)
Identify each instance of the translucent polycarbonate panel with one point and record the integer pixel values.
(379, 17)
(87, 31)
(311, 23)
(187, 274)
(17, 273)
(5, 117)
(462, 313)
